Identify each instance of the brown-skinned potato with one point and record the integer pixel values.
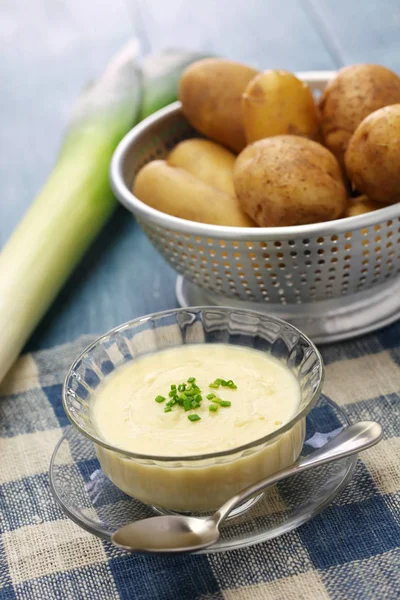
(206, 160)
(355, 92)
(373, 156)
(288, 180)
(211, 93)
(176, 192)
(360, 206)
(278, 103)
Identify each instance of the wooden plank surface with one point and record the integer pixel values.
(50, 49)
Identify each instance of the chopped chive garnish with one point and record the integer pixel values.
(189, 396)
(194, 417)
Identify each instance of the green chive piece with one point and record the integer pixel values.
(171, 394)
(224, 383)
(213, 407)
(172, 402)
(210, 396)
(194, 417)
(173, 387)
(219, 381)
(198, 398)
(194, 404)
(167, 409)
(181, 387)
(214, 385)
(192, 379)
(159, 398)
(189, 392)
(225, 403)
(187, 404)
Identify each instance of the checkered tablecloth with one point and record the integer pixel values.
(349, 552)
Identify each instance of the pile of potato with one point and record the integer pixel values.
(273, 157)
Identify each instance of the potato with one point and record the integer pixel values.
(373, 156)
(208, 161)
(210, 91)
(178, 193)
(289, 180)
(277, 103)
(360, 206)
(356, 92)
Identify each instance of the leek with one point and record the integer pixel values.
(77, 200)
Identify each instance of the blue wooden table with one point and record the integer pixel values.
(50, 50)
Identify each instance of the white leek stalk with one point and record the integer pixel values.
(75, 202)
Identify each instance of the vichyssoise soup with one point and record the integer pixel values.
(194, 400)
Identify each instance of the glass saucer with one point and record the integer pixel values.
(89, 498)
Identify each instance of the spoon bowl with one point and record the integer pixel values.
(175, 534)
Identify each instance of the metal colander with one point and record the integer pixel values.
(333, 280)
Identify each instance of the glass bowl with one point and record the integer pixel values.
(199, 483)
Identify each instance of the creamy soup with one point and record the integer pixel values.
(192, 400)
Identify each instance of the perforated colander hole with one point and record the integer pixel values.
(307, 252)
(212, 252)
(378, 248)
(389, 245)
(320, 240)
(334, 249)
(364, 270)
(263, 245)
(236, 255)
(291, 243)
(317, 279)
(256, 266)
(252, 255)
(389, 223)
(282, 265)
(391, 253)
(378, 258)
(321, 251)
(348, 257)
(268, 266)
(235, 244)
(348, 235)
(222, 243)
(347, 246)
(376, 228)
(266, 255)
(277, 244)
(279, 255)
(334, 238)
(346, 275)
(250, 245)
(224, 254)
(258, 276)
(293, 254)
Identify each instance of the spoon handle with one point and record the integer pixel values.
(350, 440)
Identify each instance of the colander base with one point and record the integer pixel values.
(324, 321)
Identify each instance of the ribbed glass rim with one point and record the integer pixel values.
(210, 455)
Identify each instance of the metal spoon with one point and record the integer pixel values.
(179, 533)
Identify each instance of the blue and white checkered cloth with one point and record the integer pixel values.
(351, 551)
